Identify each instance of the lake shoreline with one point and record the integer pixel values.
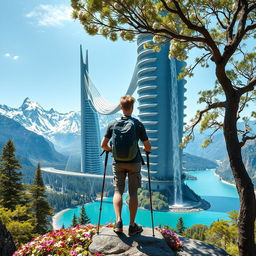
(218, 198)
(224, 181)
(56, 217)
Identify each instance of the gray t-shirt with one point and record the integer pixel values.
(140, 133)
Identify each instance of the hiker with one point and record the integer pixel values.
(125, 133)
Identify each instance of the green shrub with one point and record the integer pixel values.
(196, 232)
(159, 201)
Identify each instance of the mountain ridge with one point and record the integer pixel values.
(29, 145)
(44, 122)
(61, 129)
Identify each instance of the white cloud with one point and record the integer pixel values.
(51, 15)
(13, 57)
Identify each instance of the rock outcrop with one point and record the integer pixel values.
(112, 244)
(7, 246)
(199, 248)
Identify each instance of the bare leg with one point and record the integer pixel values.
(133, 206)
(118, 202)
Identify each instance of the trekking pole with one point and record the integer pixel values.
(150, 195)
(102, 189)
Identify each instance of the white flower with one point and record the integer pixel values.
(156, 25)
(156, 39)
(116, 5)
(79, 249)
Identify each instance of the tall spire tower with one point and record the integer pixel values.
(90, 130)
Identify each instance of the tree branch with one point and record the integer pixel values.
(175, 35)
(232, 46)
(233, 22)
(218, 18)
(246, 138)
(250, 27)
(200, 29)
(202, 112)
(215, 130)
(198, 61)
(249, 87)
(252, 7)
(131, 12)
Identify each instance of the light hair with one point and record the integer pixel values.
(126, 102)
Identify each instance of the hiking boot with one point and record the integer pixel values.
(136, 229)
(118, 227)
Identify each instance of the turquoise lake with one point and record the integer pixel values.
(222, 197)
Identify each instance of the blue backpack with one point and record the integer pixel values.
(124, 140)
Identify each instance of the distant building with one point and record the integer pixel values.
(161, 104)
(90, 130)
(161, 110)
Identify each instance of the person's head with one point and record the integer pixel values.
(126, 104)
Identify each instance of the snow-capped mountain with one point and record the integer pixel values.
(62, 129)
(47, 123)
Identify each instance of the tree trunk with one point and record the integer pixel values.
(7, 246)
(247, 213)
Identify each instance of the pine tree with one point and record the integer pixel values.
(74, 221)
(40, 207)
(84, 219)
(180, 228)
(11, 187)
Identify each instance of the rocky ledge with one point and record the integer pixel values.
(112, 244)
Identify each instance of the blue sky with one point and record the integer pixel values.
(39, 58)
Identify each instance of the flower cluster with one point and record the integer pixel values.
(110, 225)
(70, 241)
(171, 238)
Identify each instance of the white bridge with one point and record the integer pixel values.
(94, 176)
(78, 174)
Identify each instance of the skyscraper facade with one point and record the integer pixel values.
(161, 106)
(161, 110)
(90, 130)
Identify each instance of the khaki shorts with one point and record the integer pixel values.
(120, 170)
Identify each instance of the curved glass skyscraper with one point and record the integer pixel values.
(161, 110)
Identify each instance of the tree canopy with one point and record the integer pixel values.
(220, 29)
(224, 33)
